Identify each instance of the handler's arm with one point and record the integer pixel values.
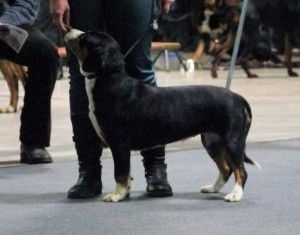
(20, 12)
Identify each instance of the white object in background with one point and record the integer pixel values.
(190, 65)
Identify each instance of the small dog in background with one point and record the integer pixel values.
(12, 73)
(262, 18)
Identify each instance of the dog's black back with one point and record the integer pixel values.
(153, 116)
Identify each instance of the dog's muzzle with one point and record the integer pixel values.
(72, 35)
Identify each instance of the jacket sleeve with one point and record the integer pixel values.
(21, 12)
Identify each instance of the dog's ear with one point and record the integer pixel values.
(92, 62)
(112, 60)
(104, 58)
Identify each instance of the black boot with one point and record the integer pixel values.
(89, 184)
(155, 172)
(34, 155)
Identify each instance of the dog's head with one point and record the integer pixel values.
(97, 52)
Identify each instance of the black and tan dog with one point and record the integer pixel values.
(128, 114)
(12, 73)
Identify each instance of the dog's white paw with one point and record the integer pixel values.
(214, 188)
(119, 194)
(209, 189)
(236, 194)
(113, 197)
(7, 109)
(232, 197)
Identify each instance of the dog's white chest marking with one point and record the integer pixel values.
(89, 86)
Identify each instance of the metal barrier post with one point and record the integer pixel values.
(237, 44)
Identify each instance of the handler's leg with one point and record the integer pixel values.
(87, 144)
(43, 64)
(134, 18)
(156, 172)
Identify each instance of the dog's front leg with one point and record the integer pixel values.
(121, 158)
(122, 190)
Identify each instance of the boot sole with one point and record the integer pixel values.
(26, 160)
(159, 194)
(84, 194)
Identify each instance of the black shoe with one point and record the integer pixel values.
(34, 155)
(156, 172)
(157, 182)
(87, 186)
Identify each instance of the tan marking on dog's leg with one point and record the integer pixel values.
(14, 94)
(219, 154)
(122, 190)
(224, 174)
(249, 120)
(12, 73)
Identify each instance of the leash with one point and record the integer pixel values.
(152, 25)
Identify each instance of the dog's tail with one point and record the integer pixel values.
(249, 120)
(248, 113)
(250, 161)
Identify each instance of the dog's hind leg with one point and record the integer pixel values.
(246, 67)
(8, 70)
(288, 55)
(240, 180)
(229, 159)
(235, 144)
(217, 151)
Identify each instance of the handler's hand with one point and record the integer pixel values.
(166, 5)
(60, 11)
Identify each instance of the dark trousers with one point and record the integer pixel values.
(126, 21)
(40, 55)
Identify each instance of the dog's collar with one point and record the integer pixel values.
(92, 76)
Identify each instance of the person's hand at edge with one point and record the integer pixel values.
(166, 5)
(60, 11)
